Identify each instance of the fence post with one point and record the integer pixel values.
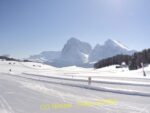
(89, 80)
(144, 74)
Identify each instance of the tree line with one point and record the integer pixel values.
(7, 58)
(12, 59)
(134, 61)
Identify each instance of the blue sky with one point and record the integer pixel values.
(30, 26)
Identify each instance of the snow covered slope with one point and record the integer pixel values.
(109, 49)
(46, 56)
(34, 84)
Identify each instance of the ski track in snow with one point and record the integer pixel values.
(5, 107)
(104, 89)
(42, 88)
(66, 96)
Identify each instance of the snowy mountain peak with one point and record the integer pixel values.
(97, 45)
(74, 45)
(111, 42)
(110, 48)
(74, 52)
(80, 53)
(73, 41)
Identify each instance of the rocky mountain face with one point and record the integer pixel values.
(109, 49)
(79, 53)
(74, 52)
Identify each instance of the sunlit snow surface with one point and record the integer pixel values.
(29, 85)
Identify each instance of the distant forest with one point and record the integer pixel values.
(134, 61)
(12, 59)
(7, 58)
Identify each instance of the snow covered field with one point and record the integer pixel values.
(29, 85)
